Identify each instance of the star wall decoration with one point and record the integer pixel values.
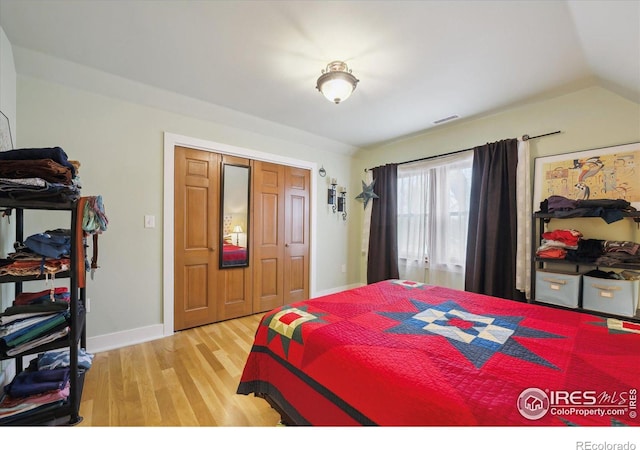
(367, 193)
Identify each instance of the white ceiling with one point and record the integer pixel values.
(417, 61)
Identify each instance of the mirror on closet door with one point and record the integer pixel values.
(234, 226)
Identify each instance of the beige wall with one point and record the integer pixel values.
(8, 107)
(589, 118)
(120, 147)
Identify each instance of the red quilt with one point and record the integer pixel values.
(404, 353)
(233, 253)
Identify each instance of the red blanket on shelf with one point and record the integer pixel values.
(404, 353)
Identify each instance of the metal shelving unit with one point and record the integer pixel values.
(540, 220)
(67, 411)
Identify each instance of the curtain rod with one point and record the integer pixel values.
(525, 137)
(426, 158)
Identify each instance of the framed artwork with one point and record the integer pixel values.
(6, 141)
(601, 173)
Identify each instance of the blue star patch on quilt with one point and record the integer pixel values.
(477, 337)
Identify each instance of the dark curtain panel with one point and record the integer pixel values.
(383, 236)
(491, 242)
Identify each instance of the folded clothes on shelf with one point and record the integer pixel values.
(610, 210)
(42, 326)
(32, 298)
(53, 244)
(32, 382)
(42, 174)
(54, 359)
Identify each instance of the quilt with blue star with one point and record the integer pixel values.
(401, 353)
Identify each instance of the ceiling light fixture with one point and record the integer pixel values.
(336, 82)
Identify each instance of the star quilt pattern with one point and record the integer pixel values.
(401, 353)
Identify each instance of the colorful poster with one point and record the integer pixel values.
(605, 173)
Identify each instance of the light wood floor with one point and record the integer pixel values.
(188, 379)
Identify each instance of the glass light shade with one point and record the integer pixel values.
(336, 83)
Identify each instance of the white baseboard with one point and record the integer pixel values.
(120, 339)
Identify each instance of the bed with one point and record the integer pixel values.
(401, 353)
(233, 255)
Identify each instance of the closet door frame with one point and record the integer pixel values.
(172, 140)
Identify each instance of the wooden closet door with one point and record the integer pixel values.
(296, 252)
(268, 235)
(234, 284)
(196, 205)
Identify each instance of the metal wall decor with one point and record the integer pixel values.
(6, 140)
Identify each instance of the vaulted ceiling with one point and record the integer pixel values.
(417, 61)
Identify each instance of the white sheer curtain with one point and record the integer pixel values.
(523, 197)
(433, 206)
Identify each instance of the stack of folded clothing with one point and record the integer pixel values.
(54, 359)
(619, 252)
(610, 210)
(43, 383)
(602, 252)
(555, 244)
(588, 251)
(571, 246)
(39, 174)
(42, 253)
(31, 389)
(34, 319)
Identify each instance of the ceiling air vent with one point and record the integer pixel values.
(446, 119)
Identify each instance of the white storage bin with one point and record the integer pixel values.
(610, 296)
(558, 288)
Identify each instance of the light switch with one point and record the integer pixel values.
(149, 221)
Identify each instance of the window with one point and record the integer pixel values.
(433, 213)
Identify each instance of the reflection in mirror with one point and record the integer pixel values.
(235, 216)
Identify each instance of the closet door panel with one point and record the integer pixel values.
(269, 278)
(195, 237)
(197, 218)
(233, 296)
(195, 294)
(297, 218)
(268, 245)
(297, 276)
(278, 271)
(297, 239)
(269, 229)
